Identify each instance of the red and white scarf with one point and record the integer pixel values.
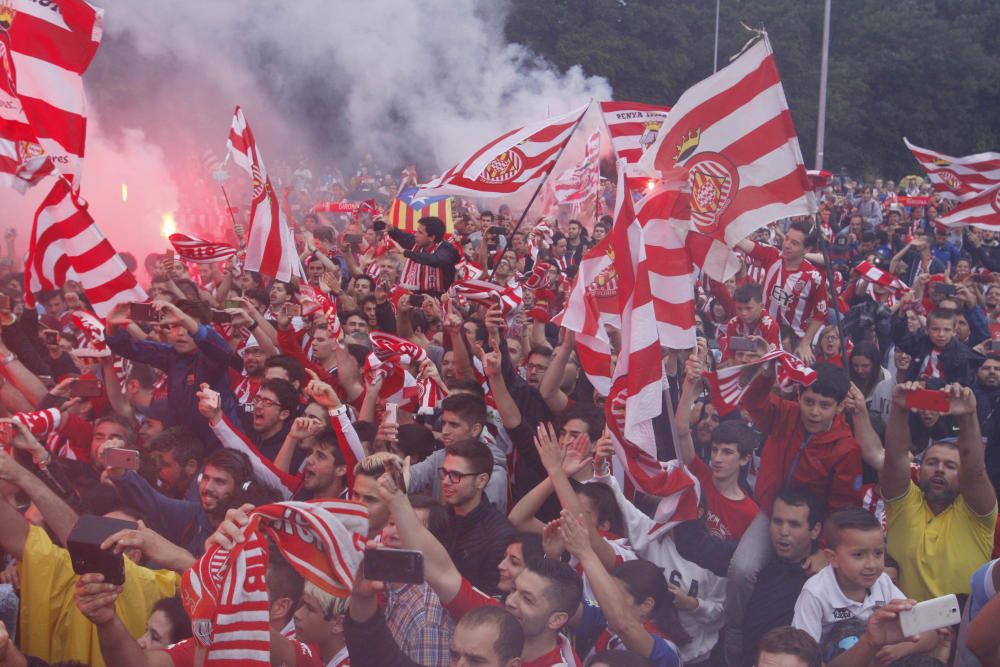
(225, 592)
(390, 359)
(894, 287)
(423, 277)
(727, 391)
(485, 293)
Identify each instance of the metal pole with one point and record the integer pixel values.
(823, 67)
(715, 59)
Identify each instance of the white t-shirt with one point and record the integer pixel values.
(822, 604)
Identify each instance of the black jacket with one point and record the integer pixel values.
(476, 544)
(444, 257)
(957, 360)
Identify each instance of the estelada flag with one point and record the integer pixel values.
(734, 136)
(406, 209)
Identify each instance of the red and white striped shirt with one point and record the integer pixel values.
(791, 297)
(765, 327)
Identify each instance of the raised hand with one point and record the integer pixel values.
(549, 451)
(230, 531)
(321, 392)
(574, 534)
(96, 599)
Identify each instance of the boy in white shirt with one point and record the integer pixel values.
(853, 585)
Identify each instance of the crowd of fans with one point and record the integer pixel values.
(826, 510)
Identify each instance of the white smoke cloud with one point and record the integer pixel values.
(430, 81)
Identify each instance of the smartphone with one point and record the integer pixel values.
(416, 300)
(378, 225)
(391, 413)
(51, 337)
(405, 566)
(232, 303)
(6, 433)
(352, 239)
(212, 398)
(221, 317)
(930, 615)
(933, 400)
(498, 231)
(84, 546)
(86, 388)
(114, 457)
(142, 312)
(291, 310)
(943, 289)
(741, 344)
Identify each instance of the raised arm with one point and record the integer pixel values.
(894, 478)
(693, 369)
(872, 451)
(493, 366)
(973, 481)
(59, 517)
(549, 387)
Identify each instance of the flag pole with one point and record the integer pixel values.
(232, 217)
(541, 183)
(831, 288)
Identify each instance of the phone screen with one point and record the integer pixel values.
(399, 565)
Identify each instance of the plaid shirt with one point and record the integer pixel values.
(419, 623)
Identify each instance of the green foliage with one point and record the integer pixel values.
(925, 69)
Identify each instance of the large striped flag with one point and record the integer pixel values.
(958, 178)
(45, 47)
(194, 249)
(733, 134)
(407, 208)
(633, 127)
(981, 210)
(270, 247)
(581, 181)
(510, 162)
(66, 244)
(728, 386)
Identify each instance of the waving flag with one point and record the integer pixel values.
(271, 247)
(193, 249)
(633, 127)
(896, 287)
(510, 162)
(66, 244)
(981, 210)
(960, 178)
(728, 388)
(407, 208)
(579, 183)
(733, 134)
(485, 293)
(44, 50)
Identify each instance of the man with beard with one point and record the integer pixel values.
(184, 522)
(941, 527)
(247, 384)
(987, 390)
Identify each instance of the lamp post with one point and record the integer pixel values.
(823, 67)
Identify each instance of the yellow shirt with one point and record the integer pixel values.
(936, 553)
(52, 628)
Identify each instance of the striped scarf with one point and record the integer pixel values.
(225, 592)
(423, 277)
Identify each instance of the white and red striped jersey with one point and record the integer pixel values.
(791, 297)
(765, 327)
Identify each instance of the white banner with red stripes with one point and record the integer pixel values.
(633, 127)
(66, 244)
(510, 162)
(199, 251)
(982, 210)
(960, 178)
(581, 182)
(729, 384)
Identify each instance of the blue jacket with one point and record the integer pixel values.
(185, 372)
(183, 522)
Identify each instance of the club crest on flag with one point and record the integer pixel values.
(713, 181)
(651, 129)
(28, 150)
(950, 179)
(503, 168)
(687, 147)
(7, 14)
(605, 285)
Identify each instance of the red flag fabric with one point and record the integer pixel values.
(733, 134)
(44, 51)
(633, 127)
(727, 390)
(66, 244)
(877, 276)
(507, 164)
(960, 178)
(270, 247)
(225, 594)
(982, 210)
(581, 182)
(485, 293)
(199, 251)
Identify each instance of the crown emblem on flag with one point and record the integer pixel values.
(688, 145)
(941, 162)
(7, 14)
(29, 149)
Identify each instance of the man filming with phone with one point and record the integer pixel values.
(430, 261)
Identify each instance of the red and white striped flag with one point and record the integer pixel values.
(193, 249)
(510, 162)
(271, 246)
(877, 276)
(981, 210)
(728, 390)
(593, 304)
(66, 244)
(733, 134)
(579, 183)
(633, 127)
(960, 178)
(485, 293)
(44, 51)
